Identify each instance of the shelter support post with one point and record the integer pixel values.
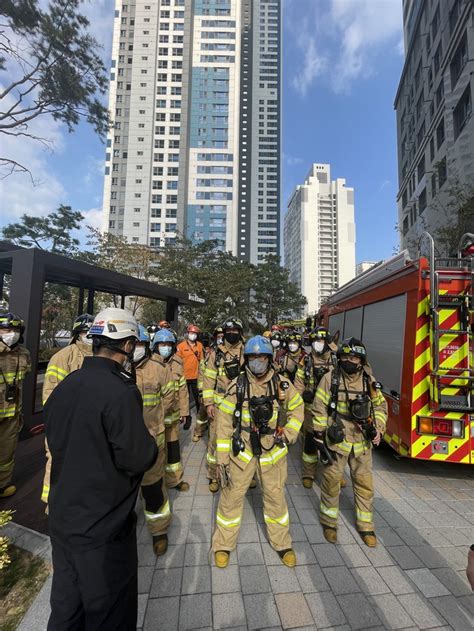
(172, 312)
(26, 300)
(90, 301)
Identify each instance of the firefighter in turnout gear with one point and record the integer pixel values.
(289, 359)
(253, 440)
(61, 364)
(349, 416)
(175, 401)
(14, 364)
(151, 378)
(201, 413)
(311, 369)
(223, 365)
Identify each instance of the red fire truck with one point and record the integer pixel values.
(416, 320)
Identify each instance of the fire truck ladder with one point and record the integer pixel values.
(454, 386)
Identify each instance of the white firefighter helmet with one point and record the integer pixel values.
(114, 324)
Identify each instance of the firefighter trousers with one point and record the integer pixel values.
(9, 429)
(174, 466)
(310, 453)
(272, 481)
(95, 590)
(156, 505)
(201, 421)
(360, 466)
(211, 451)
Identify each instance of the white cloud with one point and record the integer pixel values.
(342, 40)
(292, 160)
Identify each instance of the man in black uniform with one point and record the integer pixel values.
(100, 449)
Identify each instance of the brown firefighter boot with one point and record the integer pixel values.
(369, 538)
(288, 557)
(222, 558)
(213, 486)
(330, 533)
(160, 544)
(182, 486)
(308, 483)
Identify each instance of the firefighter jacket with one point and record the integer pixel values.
(100, 448)
(349, 387)
(216, 374)
(62, 363)
(14, 364)
(191, 356)
(288, 363)
(288, 400)
(151, 379)
(174, 390)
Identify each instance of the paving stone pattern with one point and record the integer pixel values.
(414, 579)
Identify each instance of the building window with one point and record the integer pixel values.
(440, 134)
(442, 173)
(458, 61)
(433, 185)
(462, 111)
(432, 149)
(422, 201)
(437, 59)
(421, 168)
(405, 225)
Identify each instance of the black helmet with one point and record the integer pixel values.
(233, 323)
(320, 333)
(152, 329)
(9, 320)
(206, 339)
(82, 323)
(293, 336)
(352, 346)
(276, 335)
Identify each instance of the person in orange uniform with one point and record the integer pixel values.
(191, 352)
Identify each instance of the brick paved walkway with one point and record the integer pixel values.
(414, 579)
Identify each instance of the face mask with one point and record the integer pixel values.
(258, 366)
(220, 340)
(232, 338)
(10, 339)
(293, 347)
(138, 354)
(350, 368)
(165, 351)
(275, 343)
(192, 337)
(85, 340)
(318, 347)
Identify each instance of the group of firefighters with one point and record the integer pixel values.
(255, 398)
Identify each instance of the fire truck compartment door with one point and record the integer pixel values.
(383, 334)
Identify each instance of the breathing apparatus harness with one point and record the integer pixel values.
(317, 372)
(261, 413)
(231, 366)
(361, 409)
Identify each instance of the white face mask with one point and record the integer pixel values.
(220, 340)
(293, 347)
(192, 337)
(318, 347)
(10, 339)
(85, 340)
(138, 354)
(275, 343)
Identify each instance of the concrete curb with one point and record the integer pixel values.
(30, 540)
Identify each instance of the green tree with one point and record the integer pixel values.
(55, 234)
(52, 233)
(54, 69)
(275, 297)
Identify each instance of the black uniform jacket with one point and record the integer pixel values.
(100, 449)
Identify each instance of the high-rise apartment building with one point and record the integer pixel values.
(195, 100)
(319, 235)
(434, 113)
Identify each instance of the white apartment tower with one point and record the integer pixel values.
(195, 100)
(319, 236)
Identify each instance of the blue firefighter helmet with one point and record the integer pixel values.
(143, 335)
(163, 335)
(258, 345)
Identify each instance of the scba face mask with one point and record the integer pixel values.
(165, 351)
(258, 366)
(318, 347)
(293, 347)
(11, 338)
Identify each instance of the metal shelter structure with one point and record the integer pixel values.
(31, 268)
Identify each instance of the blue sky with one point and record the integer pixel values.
(341, 64)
